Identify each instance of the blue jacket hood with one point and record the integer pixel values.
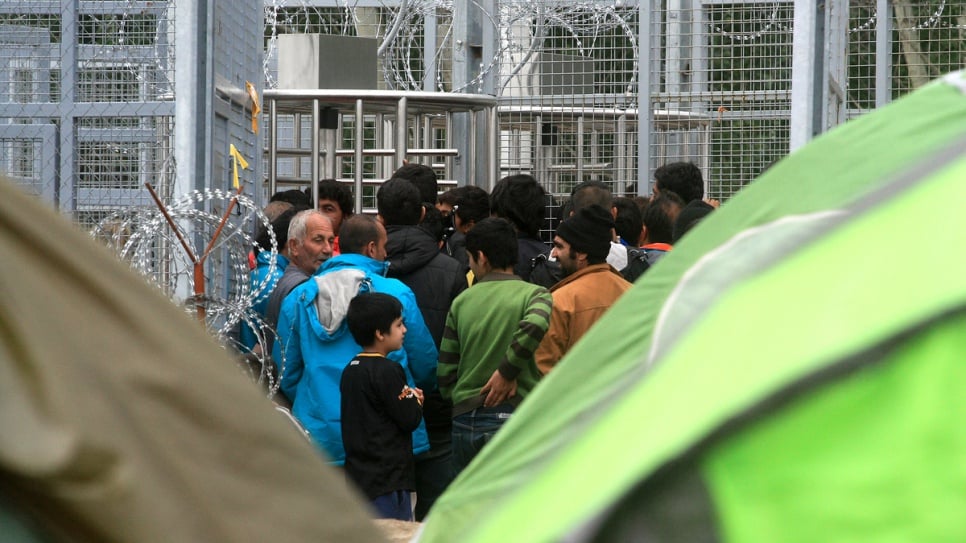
(311, 358)
(346, 260)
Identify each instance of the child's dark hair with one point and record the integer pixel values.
(423, 178)
(433, 222)
(448, 197)
(520, 200)
(338, 192)
(472, 204)
(496, 239)
(629, 221)
(294, 197)
(369, 312)
(399, 202)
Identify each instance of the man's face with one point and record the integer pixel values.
(380, 252)
(477, 266)
(565, 255)
(444, 209)
(331, 209)
(316, 247)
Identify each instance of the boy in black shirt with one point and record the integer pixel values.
(379, 408)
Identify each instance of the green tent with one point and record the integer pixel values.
(792, 371)
(122, 420)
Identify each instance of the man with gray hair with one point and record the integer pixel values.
(310, 243)
(315, 346)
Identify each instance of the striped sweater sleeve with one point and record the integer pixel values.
(529, 332)
(449, 358)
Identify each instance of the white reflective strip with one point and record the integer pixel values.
(956, 79)
(662, 337)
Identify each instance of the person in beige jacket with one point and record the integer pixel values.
(589, 287)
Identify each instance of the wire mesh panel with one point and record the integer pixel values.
(929, 39)
(29, 83)
(568, 90)
(565, 72)
(96, 80)
(730, 64)
(925, 39)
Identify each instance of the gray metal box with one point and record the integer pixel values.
(565, 74)
(322, 61)
(550, 74)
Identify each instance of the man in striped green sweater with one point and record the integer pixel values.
(486, 362)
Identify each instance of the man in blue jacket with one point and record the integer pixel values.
(314, 344)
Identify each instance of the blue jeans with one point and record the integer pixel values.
(397, 504)
(473, 430)
(434, 471)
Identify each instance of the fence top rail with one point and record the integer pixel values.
(377, 101)
(662, 116)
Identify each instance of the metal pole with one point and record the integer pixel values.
(272, 147)
(359, 143)
(383, 166)
(401, 132)
(65, 198)
(428, 136)
(580, 149)
(538, 153)
(471, 156)
(297, 132)
(448, 174)
(330, 169)
(807, 55)
(645, 114)
(622, 154)
(493, 147)
(429, 51)
(316, 150)
(883, 53)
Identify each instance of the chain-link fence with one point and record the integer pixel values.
(87, 87)
(87, 110)
(568, 74)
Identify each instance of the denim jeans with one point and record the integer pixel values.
(434, 471)
(396, 505)
(473, 430)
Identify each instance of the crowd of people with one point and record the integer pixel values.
(404, 341)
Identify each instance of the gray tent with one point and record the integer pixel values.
(121, 420)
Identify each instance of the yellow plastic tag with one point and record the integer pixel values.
(256, 109)
(236, 159)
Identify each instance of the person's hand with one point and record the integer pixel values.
(419, 395)
(712, 202)
(498, 390)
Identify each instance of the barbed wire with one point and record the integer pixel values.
(772, 23)
(402, 34)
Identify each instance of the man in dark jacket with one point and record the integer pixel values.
(436, 279)
(472, 206)
(522, 201)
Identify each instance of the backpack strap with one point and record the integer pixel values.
(544, 272)
(639, 260)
